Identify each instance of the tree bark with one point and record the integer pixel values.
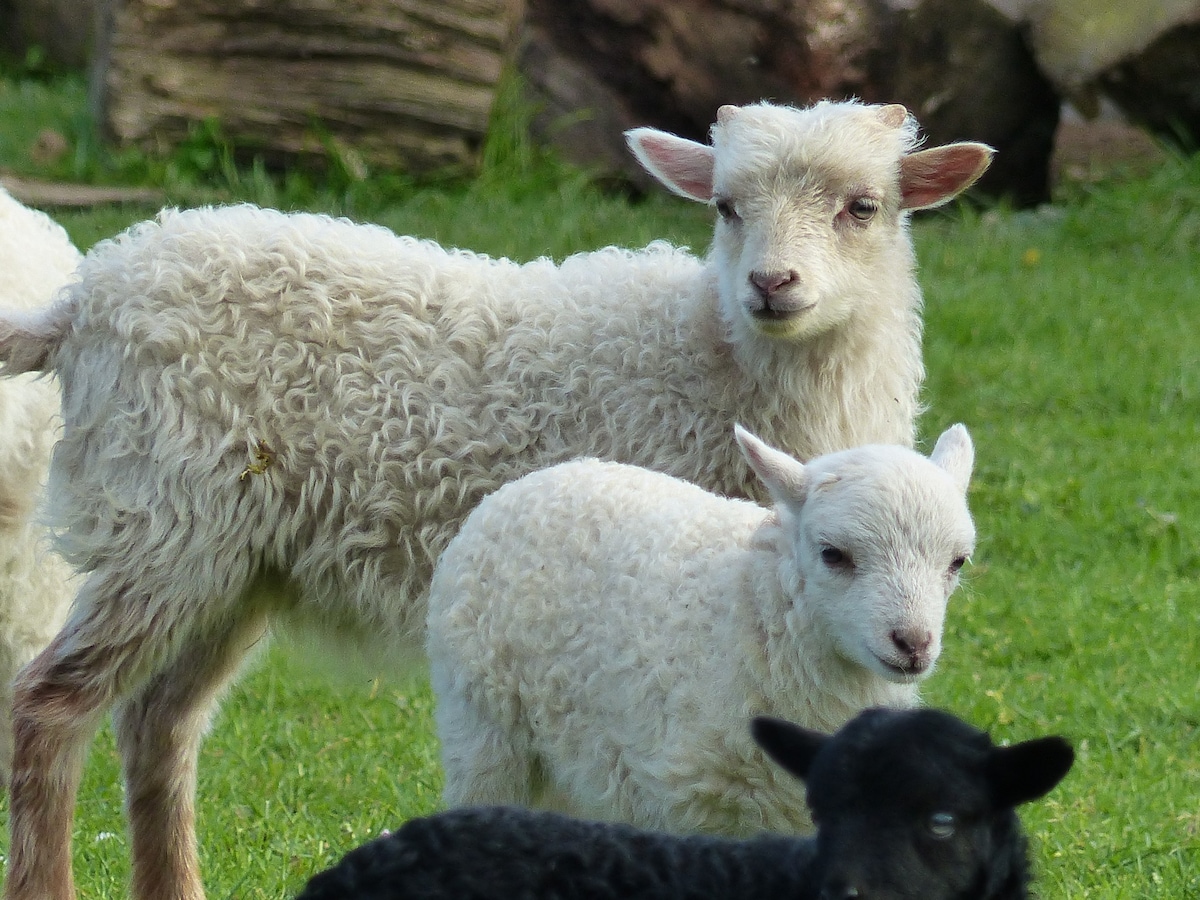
(401, 83)
(1159, 87)
(597, 67)
(60, 29)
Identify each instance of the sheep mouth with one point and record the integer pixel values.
(769, 314)
(909, 670)
(772, 321)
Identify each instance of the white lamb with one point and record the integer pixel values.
(36, 259)
(599, 634)
(273, 418)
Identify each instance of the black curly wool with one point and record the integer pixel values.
(910, 805)
(495, 852)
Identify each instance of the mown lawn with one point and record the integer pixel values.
(1067, 339)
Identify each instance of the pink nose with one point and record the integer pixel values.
(912, 642)
(769, 283)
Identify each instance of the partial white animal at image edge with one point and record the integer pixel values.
(37, 258)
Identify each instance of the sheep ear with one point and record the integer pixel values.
(1028, 770)
(783, 477)
(931, 177)
(955, 453)
(791, 746)
(684, 166)
(892, 115)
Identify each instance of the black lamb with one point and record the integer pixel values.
(908, 804)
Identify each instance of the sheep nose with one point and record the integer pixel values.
(769, 283)
(912, 642)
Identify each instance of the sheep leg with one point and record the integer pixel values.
(59, 700)
(482, 766)
(53, 721)
(8, 670)
(116, 638)
(159, 730)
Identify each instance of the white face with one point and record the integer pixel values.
(884, 553)
(801, 234)
(811, 206)
(792, 266)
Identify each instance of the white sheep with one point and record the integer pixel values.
(274, 418)
(599, 633)
(36, 259)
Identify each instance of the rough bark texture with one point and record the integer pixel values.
(62, 29)
(1143, 56)
(1160, 86)
(1076, 40)
(967, 73)
(597, 67)
(403, 83)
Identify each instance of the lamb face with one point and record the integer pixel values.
(882, 543)
(912, 805)
(931, 796)
(876, 537)
(801, 231)
(812, 205)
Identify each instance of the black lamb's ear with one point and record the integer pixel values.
(1028, 770)
(789, 745)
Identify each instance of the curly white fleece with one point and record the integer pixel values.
(599, 634)
(390, 383)
(36, 259)
(274, 417)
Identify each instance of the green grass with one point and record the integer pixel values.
(1067, 339)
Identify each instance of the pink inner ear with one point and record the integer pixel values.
(931, 177)
(893, 115)
(684, 166)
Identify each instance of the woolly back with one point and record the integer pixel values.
(36, 259)
(36, 256)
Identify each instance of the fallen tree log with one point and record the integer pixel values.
(403, 84)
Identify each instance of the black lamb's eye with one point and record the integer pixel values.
(941, 825)
(957, 563)
(834, 558)
(725, 209)
(862, 208)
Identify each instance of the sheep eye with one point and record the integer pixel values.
(725, 209)
(957, 563)
(941, 825)
(834, 558)
(862, 208)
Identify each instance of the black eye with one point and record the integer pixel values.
(941, 825)
(862, 208)
(725, 209)
(957, 563)
(834, 558)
